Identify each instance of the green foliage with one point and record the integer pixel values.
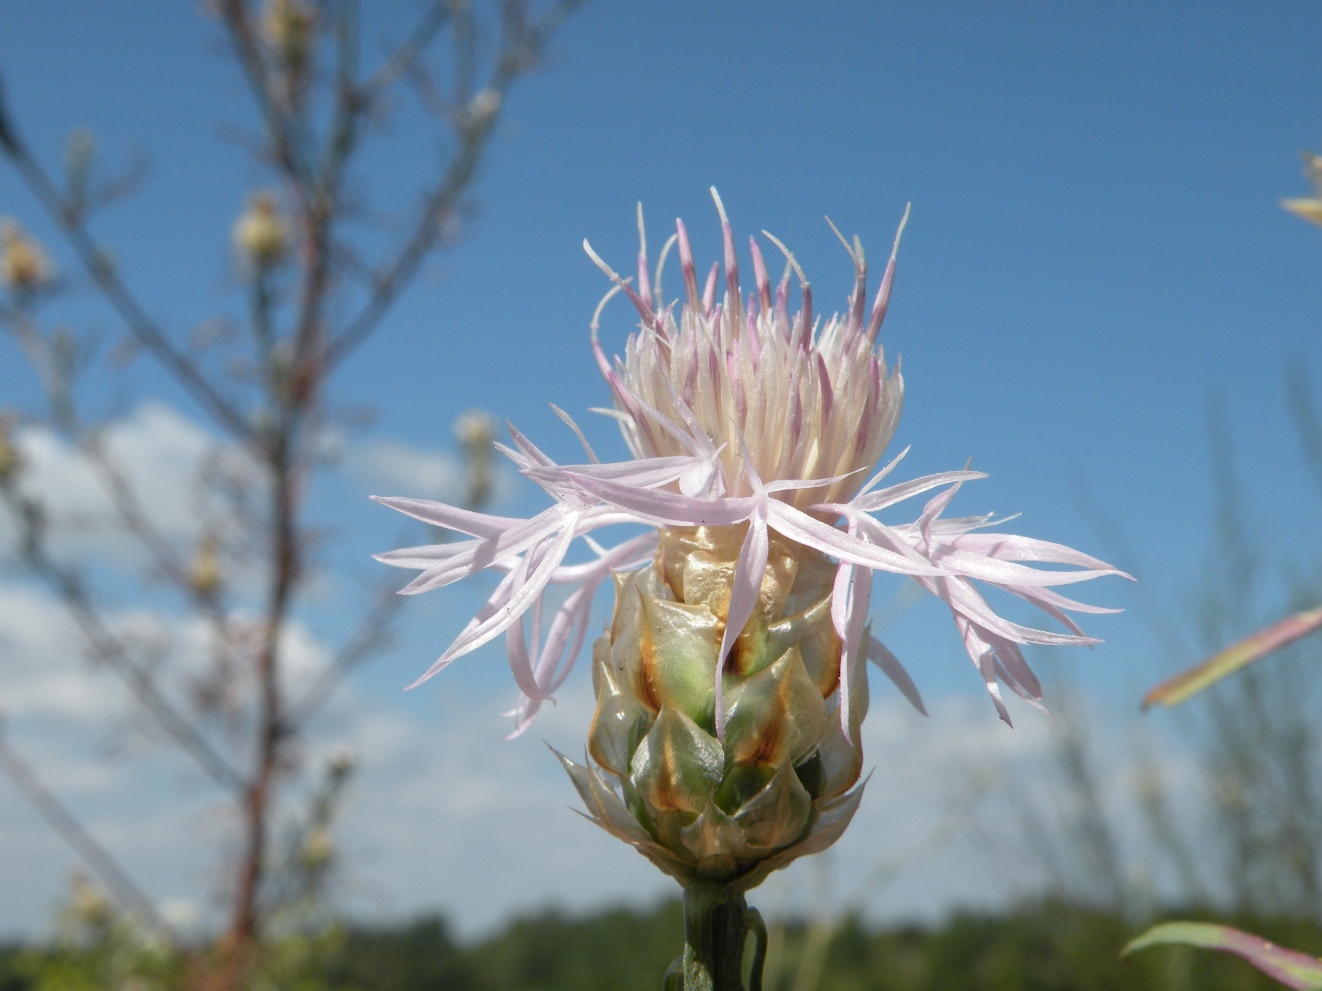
(1046, 947)
(418, 955)
(616, 950)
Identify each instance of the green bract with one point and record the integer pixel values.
(778, 786)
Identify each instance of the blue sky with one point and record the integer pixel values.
(1095, 253)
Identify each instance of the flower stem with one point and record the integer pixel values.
(717, 921)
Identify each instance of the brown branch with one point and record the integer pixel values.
(124, 889)
(348, 99)
(245, 926)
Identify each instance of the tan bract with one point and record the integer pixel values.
(778, 786)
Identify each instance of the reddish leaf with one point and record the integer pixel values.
(1290, 967)
(1254, 647)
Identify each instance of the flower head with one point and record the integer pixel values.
(756, 425)
(778, 398)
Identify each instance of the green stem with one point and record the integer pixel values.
(717, 922)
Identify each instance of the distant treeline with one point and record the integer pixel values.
(1044, 947)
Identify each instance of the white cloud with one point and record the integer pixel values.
(385, 466)
(443, 814)
(398, 467)
(447, 816)
(170, 464)
(164, 461)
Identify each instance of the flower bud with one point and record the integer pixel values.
(342, 762)
(24, 267)
(318, 848)
(88, 907)
(10, 460)
(1309, 207)
(777, 785)
(289, 28)
(476, 431)
(205, 574)
(484, 105)
(260, 236)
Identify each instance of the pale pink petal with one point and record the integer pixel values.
(793, 484)
(527, 447)
(626, 556)
(498, 599)
(811, 532)
(643, 472)
(1054, 604)
(520, 600)
(450, 517)
(468, 558)
(934, 508)
(961, 596)
(892, 668)
(1014, 670)
(1042, 597)
(748, 572)
(858, 591)
(417, 558)
(667, 508)
(558, 654)
(890, 466)
(578, 609)
(984, 659)
(887, 282)
(1007, 572)
(516, 649)
(569, 422)
(471, 556)
(1012, 547)
(881, 499)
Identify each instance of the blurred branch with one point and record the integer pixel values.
(478, 118)
(300, 59)
(407, 56)
(372, 633)
(57, 384)
(825, 924)
(99, 267)
(1118, 549)
(110, 649)
(67, 826)
(248, 52)
(1299, 397)
(368, 638)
